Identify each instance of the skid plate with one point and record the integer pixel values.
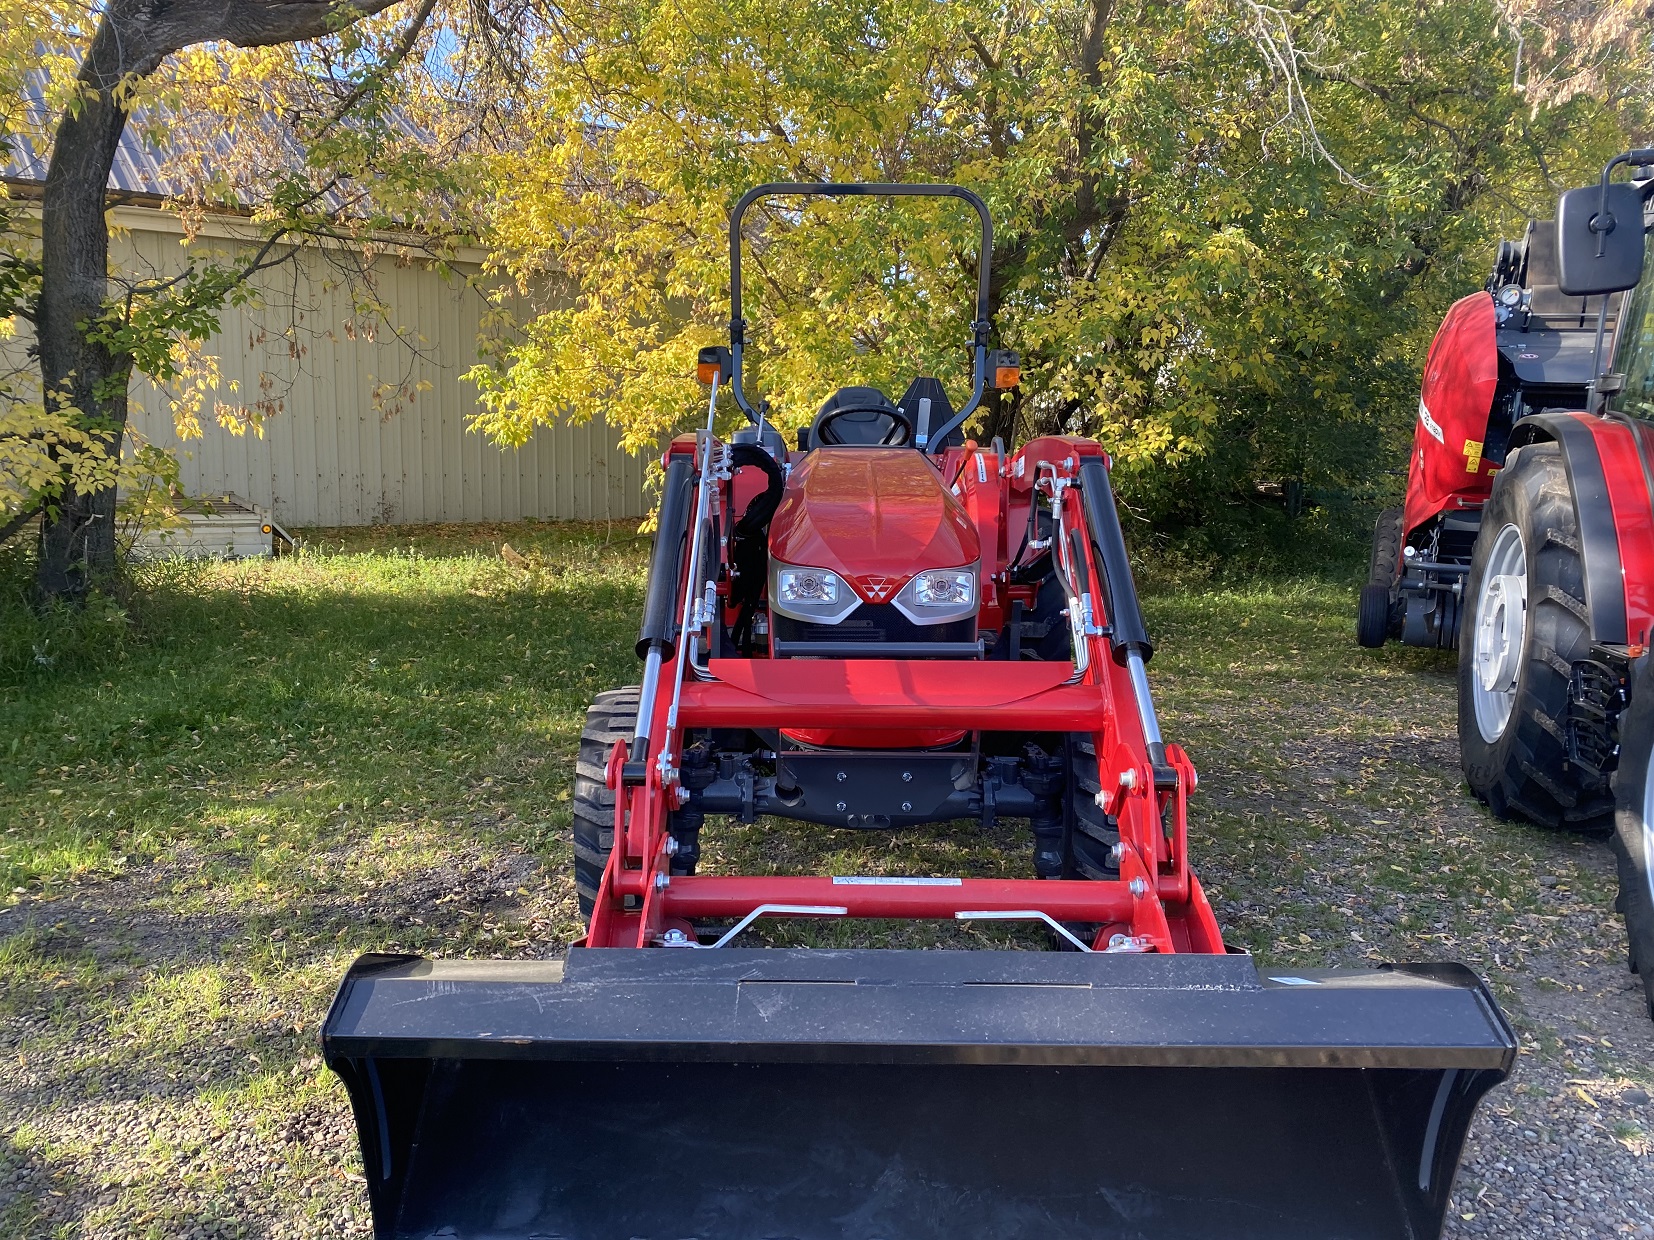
(894, 1095)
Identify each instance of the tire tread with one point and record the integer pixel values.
(1526, 772)
(610, 718)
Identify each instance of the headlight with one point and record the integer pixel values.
(810, 594)
(938, 595)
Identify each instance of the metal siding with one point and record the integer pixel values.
(327, 457)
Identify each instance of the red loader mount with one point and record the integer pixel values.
(1530, 514)
(886, 627)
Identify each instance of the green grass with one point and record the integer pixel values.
(214, 796)
(262, 706)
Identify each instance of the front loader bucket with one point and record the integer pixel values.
(909, 1095)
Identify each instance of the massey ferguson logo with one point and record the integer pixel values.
(877, 588)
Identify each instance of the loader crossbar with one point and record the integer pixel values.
(888, 693)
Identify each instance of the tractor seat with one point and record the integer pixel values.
(860, 417)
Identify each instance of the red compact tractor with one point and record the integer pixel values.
(884, 627)
(1527, 539)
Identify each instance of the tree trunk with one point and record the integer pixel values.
(77, 539)
(77, 542)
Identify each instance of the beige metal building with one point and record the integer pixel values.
(330, 453)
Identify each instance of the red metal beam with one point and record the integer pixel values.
(889, 693)
(718, 897)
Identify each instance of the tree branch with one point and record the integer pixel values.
(19, 521)
(136, 35)
(1386, 95)
(393, 62)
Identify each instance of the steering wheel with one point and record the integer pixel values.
(864, 426)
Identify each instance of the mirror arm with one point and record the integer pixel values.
(1603, 222)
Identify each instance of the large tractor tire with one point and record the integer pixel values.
(1372, 617)
(612, 717)
(1089, 834)
(1525, 625)
(1633, 839)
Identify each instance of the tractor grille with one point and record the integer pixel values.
(839, 633)
(873, 624)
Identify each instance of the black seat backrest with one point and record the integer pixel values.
(928, 419)
(867, 427)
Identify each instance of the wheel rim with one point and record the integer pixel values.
(1501, 633)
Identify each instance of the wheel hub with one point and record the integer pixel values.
(1501, 633)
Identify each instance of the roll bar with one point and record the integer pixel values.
(845, 189)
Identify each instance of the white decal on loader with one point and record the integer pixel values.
(1431, 425)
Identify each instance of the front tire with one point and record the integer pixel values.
(1525, 625)
(612, 717)
(1372, 617)
(1633, 839)
(1090, 835)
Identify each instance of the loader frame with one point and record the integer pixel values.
(1155, 903)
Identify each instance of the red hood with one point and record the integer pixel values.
(1446, 471)
(875, 516)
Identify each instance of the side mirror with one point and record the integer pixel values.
(1599, 239)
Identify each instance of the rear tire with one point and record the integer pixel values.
(1525, 624)
(612, 717)
(1633, 839)
(1372, 616)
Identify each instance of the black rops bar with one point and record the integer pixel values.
(1127, 632)
(910, 1095)
(849, 189)
(660, 607)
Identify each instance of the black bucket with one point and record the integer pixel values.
(892, 1095)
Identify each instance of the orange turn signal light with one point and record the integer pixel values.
(713, 364)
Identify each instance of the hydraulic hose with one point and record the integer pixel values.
(749, 540)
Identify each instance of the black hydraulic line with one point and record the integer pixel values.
(1127, 632)
(749, 540)
(1076, 552)
(666, 562)
(763, 505)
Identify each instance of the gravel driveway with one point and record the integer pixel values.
(158, 1066)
